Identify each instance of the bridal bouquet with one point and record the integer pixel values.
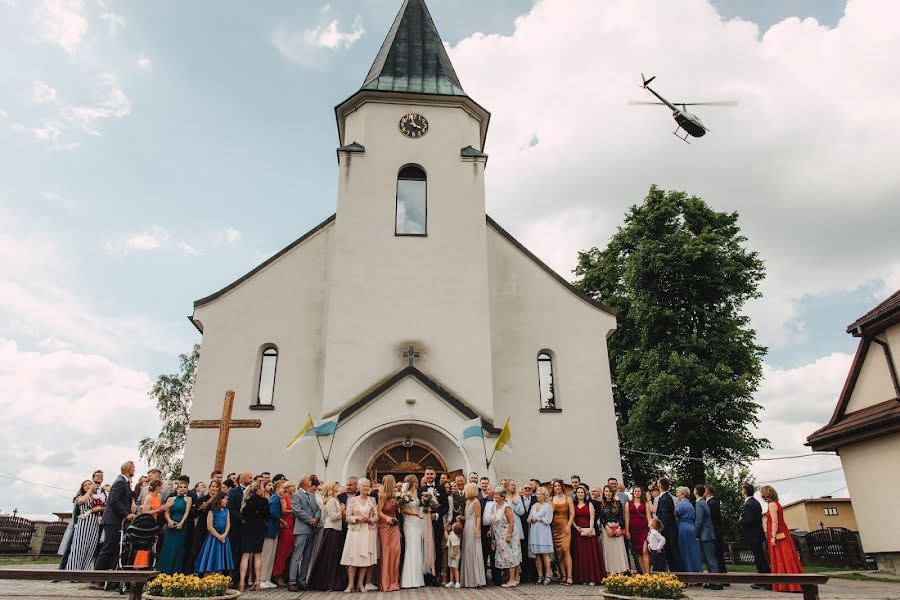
(405, 497)
(429, 501)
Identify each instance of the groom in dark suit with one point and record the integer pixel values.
(430, 485)
(752, 533)
(119, 505)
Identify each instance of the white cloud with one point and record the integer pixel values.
(308, 47)
(109, 101)
(61, 23)
(114, 22)
(229, 236)
(795, 403)
(154, 238)
(144, 62)
(806, 159)
(148, 240)
(64, 420)
(41, 93)
(40, 299)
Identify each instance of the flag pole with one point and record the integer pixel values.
(487, 463)
(331, 446)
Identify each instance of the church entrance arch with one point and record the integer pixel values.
(405, 458)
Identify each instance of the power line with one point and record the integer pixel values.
(46, 485)
(802, 476)
(38, 485)
(681, 457)
(836, 491)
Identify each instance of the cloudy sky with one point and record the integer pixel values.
(152, 152)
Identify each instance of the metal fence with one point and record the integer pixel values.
(834, 547)
(53, 535)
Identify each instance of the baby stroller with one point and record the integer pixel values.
(139, 534)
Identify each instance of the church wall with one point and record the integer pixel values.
(387, 291)
(874, 384)
(284, 305)
(530, 312)
(867, 468)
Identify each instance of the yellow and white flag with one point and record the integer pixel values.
(306, 427)
(503, 441)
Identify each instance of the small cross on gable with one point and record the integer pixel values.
(411, 355)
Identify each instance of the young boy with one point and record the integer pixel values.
(657, 544)
(453, 547)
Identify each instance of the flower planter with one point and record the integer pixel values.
(229, 595)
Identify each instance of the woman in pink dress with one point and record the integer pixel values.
(783, 556)
(637, 526)
(389, 536)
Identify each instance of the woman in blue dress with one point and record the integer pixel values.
(216, 553)
(688, 546)
(540, 537)
(171, 558)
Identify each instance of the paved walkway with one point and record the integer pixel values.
(836, 589)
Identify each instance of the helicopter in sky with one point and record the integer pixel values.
(690, 124)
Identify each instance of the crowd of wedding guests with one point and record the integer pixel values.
(266, 531)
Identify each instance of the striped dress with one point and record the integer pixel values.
(85, 540)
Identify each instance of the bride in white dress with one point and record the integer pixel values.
(412, 574)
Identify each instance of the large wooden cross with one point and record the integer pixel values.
(224, 425)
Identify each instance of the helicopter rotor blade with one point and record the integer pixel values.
(644, 102)
(712, 103)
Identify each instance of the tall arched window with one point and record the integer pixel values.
(412, 204)
(545, 382)
(268, 363)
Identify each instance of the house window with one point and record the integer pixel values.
(831, 511)
(546, 383)
(265, 395)
(412, 205)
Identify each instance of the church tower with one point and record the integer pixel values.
(409, 238)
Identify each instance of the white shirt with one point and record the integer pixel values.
(655, 540)
(488, 512)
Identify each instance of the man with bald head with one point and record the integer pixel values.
(306, 517)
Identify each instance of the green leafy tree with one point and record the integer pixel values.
(173, 394)
(684, 361)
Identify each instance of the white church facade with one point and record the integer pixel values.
(407, 313)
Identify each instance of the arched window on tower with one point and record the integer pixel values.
(412, 205)
(265, 388)
(547, 385)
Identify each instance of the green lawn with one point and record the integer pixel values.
(12, 561)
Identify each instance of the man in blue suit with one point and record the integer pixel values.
(703, 531)
(235, 498)
(665, 512)
(306, 518)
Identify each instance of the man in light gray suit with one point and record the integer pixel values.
(705, 534)
(306, 517)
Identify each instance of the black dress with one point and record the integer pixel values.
(256, 515)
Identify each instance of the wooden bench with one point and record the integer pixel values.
(808, 583)
(137, 579)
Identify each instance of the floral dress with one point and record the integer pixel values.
(507, 555)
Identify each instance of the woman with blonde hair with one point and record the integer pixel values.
(327, 574)
(359, 547)
(389, 535)
(782, 552)
(471, 564)
(507, 549)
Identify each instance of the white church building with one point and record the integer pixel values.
(407, 313)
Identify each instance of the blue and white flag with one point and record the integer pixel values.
(325, 428)
(471, 429)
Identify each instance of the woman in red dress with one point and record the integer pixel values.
(782, 553)
(285, 535)
(588, 566)
(637, 526)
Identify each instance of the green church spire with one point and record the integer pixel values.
(412, 58)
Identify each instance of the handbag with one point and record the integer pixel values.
(779, 536)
